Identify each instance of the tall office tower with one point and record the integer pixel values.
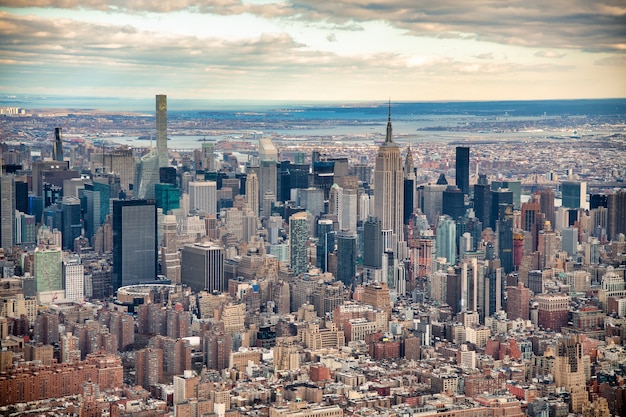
(548, 245)
(546, 201)
(57, 147)
(518, 302)
(598, 200)
(350, 209)
(167, 197)
(453, 202)
(298, 236)
(252, 192)
(203, 197)
(118, 161)
(446, 239)
(325, 243)
(312, 199)
(514, 186)
(48, 273)
(409, 186)
(147, 168)
(482, 202)
(268, 166)
(335, 203)
(170, 258)
(530, 210)
(148, 367)
(552, 311)
(71, 222)
(161, 129)
(505, 237)
(498, 197)
(462, 169)
(74, 279)
(7, 212)
(208, 156)
(490, 288)
(202, 267)
(616, 206)
(389, 187)
(569, 240)
(372, 249)
(574, 194)
(134, 242)
(569, 371)
(346, 257)
(323, 176)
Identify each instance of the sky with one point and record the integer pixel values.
(318, 50)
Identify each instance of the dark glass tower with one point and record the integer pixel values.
(372, 243)
(453, 202)
(134, 242)
(57, 148)
(462, 169)
(482, 202)
(346, 257)
(325, 242)
(505, 237)
(497, 197)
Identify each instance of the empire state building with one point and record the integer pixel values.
(389, 190)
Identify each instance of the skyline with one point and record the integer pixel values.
(285, 50)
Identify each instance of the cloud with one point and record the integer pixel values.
(331, 37)
(612, 61)
(549, 54)
(488, 55)
(593, 26)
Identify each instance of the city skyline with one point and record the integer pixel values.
(280, 50)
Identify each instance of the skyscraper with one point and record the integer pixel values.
(74, 279)
(57, 147)
(203, 197)
(202, 267)
(71, 221)
(616, 203)
(546, 201)
(446, 239)
(497, 197)
(7, 211)
(574, 194)
(462, 169)
(298, 236)
(389, 187)
(505, 237)
(372, 249)
(346, 257)
(147, 168)
(252, 192)
(325, 242)
(134, 242)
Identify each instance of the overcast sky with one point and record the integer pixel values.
(315, 49)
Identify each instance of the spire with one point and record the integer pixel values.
(389, 137)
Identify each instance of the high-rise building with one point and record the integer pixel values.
(252, 192)
(514, 186)
(203, 197)
(389, 187)
(48, 271)
(346, 257)
(409, 186)
(7, 212)
(298, 237)
(546, 201)
(453, 202)
(57, 147)
(569, 372)
(71, 221)
(167, 197)
(616, 205)
(147, 169)
(134, 242)
(120, 162)
(482, 203)
(148, 367)
(518, 302)
(74, 279)
(325, 242)
(569, 240)
(552, 311)
(372, 249)
(505, 237)
(497, 198)
(574, 194)
(462, 169)
(202, 267)
(445, 245)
